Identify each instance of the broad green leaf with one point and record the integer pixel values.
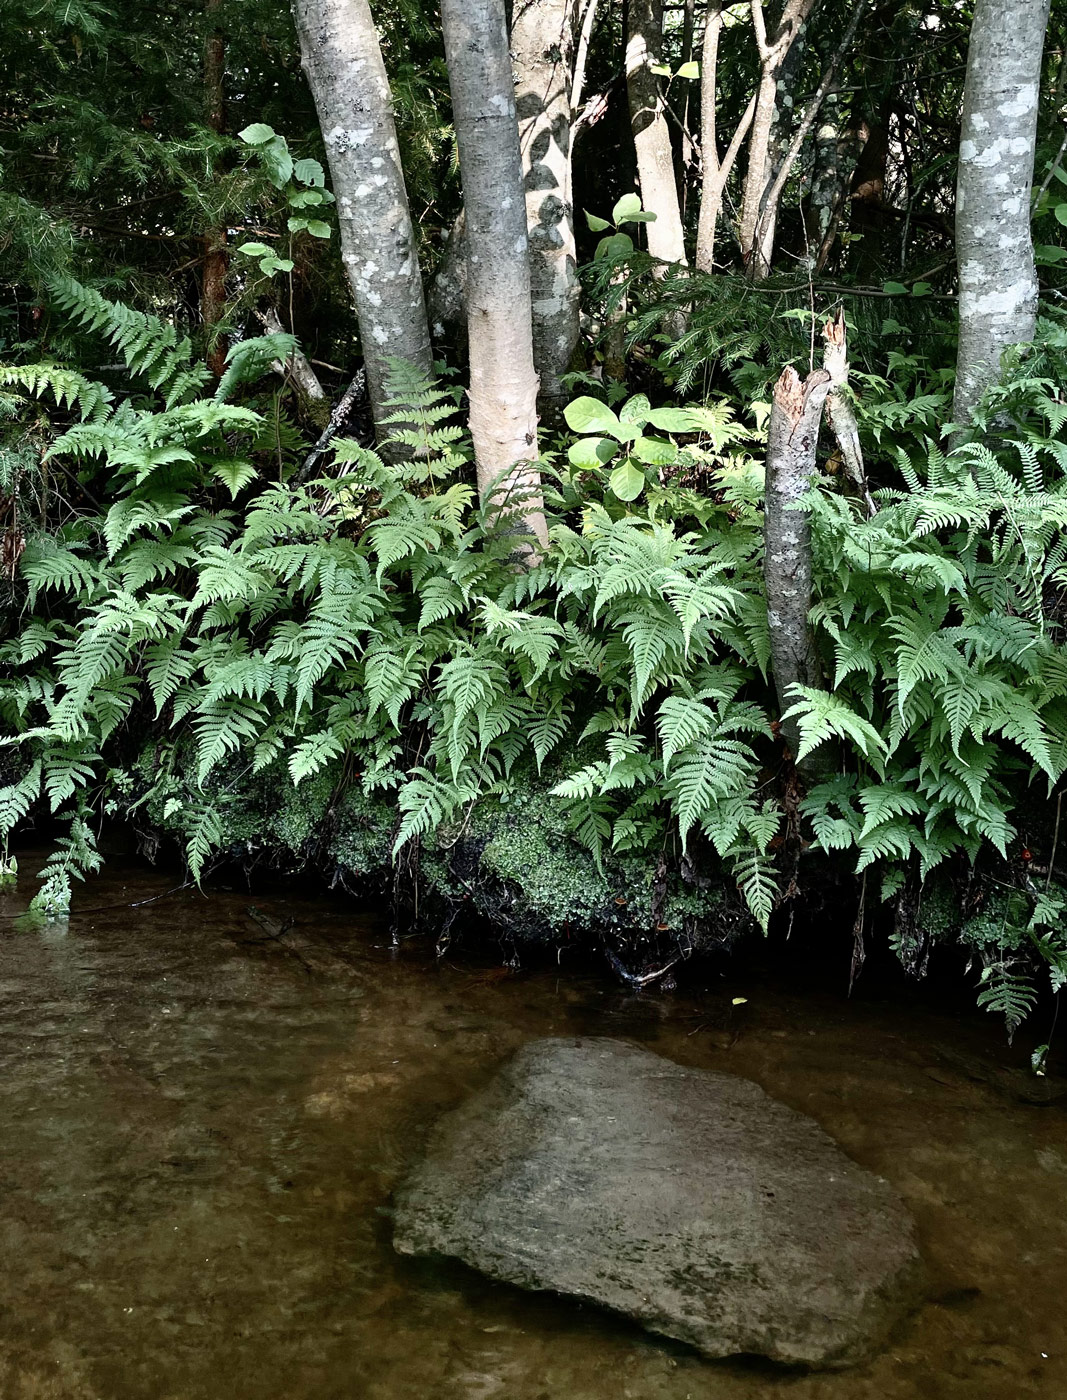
(689, 70)
(589, 415)
(655, 452)
(309, 172)
(258, 134)
(627, 205)
(256, 250)
(894, 289)
(1047, 254)
(1061, 213)
(921, 289)
(318, 229)
(671, 420)
(618, 245)
(596, 224)
(635, 410)
(626, 481)
(590, 454)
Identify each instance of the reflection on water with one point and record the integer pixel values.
(203, 1115)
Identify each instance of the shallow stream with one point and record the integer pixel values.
(203, 1115)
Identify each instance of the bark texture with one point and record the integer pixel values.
(994, 248)
(216, 258)
(716, 171)
(839, 411)
(773, 49)
(343, 63)
(503, 382)
(543, 39)
(652, 137)
(786, 84)
(792, 438)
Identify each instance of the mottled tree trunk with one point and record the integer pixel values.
(543, 37)
(344, 67)
(216, 259)
(994, 248)
(773, 49)
(773, 192)
(716, 171)
(503, 382)
(792, 438)
(778, 140)
(652, 137)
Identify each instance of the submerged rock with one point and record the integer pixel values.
(690, 1201)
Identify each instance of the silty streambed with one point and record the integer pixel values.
(201, 1124)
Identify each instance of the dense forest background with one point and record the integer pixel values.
(591, 467)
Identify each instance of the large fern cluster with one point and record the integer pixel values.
(370, 628)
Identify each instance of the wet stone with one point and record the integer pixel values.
(687, 1200)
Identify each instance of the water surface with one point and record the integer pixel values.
(202, 1119)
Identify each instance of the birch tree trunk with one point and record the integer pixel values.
(343, 63)
(503, 382)
(792, 438)
(652, 137)
(773, 49)
(543, 36)
(994, 247)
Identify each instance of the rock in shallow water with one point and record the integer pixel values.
(690, 1201)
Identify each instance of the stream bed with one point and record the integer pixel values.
(203, 1115)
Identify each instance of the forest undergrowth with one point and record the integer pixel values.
(354, 673)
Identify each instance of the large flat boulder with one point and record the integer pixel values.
(690, 1201)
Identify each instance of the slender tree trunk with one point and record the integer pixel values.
(778, 141)
(543, 37)
(771, 196)
(343, 63)
(652, 137)
(792, 438)
(216, 260)
(773, 49)
(994, 248)
(503, 382)
(716, 171)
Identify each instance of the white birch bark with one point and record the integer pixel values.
(343, 62)
(543, 36)
(652, 137)
(503, 382)
(994, 247)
